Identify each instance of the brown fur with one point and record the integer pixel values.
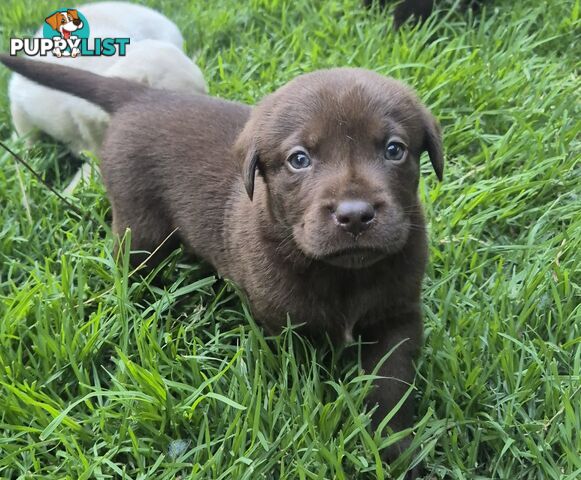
(218, 172)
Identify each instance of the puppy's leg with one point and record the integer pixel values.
(152, 239)
(90, 124)
(398, 370)
(22, 124)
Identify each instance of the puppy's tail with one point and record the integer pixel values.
(108, 93)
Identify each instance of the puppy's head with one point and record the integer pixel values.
(339, 154)
(65, 22)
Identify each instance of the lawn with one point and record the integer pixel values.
(105, 375)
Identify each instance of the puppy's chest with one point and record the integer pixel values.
(335, 307)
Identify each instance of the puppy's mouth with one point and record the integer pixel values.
(354, 257)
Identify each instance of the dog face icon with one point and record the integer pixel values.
(65, 22)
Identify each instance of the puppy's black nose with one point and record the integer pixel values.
(355, 216)
(77, 21)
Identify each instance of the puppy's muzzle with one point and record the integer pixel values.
(77, 21)
(354, 216)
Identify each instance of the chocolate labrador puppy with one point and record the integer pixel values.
(307, 201)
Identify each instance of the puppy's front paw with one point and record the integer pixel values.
(57, 52)
(75, 52)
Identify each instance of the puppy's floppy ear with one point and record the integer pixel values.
(53, 21)
(249, 171)
(433, 143)
(245, 148)
(73, 13)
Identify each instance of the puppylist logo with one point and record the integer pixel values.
(66, 34)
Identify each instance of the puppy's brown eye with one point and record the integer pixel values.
(395, 151)
(299, 161)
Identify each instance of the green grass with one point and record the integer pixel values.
(105, 376)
